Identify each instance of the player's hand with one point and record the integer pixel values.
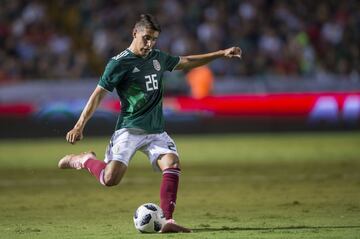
(233, 52)
(74, 135)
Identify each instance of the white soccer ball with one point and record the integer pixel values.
(148, 218)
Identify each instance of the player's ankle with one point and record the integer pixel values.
(88, 156)
(170, 220)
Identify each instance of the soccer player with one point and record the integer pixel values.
(136, 74)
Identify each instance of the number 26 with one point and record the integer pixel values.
(151, 83)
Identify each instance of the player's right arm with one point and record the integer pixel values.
(96, 97)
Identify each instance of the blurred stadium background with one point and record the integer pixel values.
(299, 73)
(300, 67)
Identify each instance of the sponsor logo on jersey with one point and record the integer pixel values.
(156, 64)
(135, 70)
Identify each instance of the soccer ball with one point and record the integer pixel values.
(148, 218)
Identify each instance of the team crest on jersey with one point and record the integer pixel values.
(156, 64)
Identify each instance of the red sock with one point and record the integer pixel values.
(168, 191)
(96, 168)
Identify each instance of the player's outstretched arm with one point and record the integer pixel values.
(188, 62)
(76, 133)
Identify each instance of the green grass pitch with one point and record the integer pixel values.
(290, 185)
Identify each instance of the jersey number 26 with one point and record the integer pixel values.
(151, 82)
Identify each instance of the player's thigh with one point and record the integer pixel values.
(161, 146)
(122, 146)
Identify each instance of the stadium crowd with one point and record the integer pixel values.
(74, 39)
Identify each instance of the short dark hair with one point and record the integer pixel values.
(148, 21)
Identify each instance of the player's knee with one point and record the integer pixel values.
(168, 161)
(173, 163)
(113, 174)
(112, 179)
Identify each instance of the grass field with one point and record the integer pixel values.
(304, 185)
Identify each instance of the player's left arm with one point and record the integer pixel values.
(188, 62)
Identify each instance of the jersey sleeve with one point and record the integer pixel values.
(113, 74)
(171, 61)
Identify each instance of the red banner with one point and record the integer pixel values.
(285, 104)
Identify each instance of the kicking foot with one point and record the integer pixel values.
(75, 161)
(171, 227)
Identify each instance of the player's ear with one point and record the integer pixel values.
(134, 32)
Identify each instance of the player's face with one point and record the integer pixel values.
(145, 40)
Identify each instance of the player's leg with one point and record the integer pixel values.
(170, 167)
(114, 172)
(108, 174)
(118, 154)
(163, 155)
(84, 161)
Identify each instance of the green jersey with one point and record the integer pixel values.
(138, 82)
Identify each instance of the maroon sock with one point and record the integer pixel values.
(96, 168)
(168, 191)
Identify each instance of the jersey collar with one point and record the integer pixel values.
(147, 56)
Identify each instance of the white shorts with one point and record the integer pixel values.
(125, 142)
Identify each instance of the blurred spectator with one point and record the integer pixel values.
(74, 39)
(200, 80)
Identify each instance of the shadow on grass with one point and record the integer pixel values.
(210, 229)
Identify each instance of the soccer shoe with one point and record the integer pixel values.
(171, 227)
(75, 161)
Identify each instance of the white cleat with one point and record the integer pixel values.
(75, 161)
(171, 227)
